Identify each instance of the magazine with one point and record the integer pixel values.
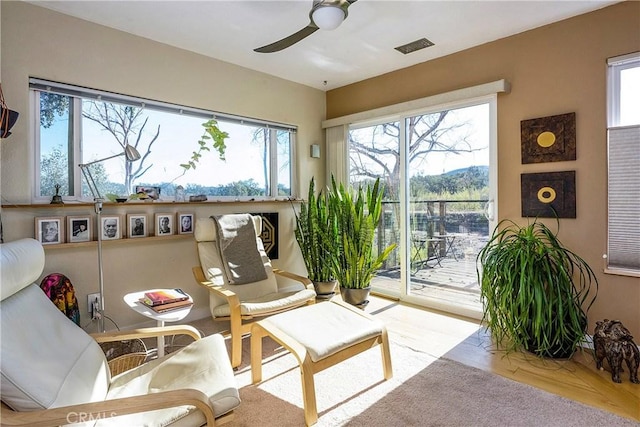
(164, 296)
(161, 308)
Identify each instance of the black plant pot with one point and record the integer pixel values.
(557, 350)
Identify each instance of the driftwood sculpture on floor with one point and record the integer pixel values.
(611, 340)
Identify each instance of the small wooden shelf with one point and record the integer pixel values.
(109, 205)
(118, 241)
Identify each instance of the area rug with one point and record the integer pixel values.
(424, 391)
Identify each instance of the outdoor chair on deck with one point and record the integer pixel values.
(222, 268)
(54, 373)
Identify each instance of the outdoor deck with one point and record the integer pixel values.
(450, 280)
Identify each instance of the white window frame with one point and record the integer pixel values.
(338, 158)
(623, 173)
(79, 93)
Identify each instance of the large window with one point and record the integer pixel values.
(624, 164)
(76, 125)
(435, 166)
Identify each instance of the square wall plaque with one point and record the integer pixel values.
(549, 139)
(544, 193)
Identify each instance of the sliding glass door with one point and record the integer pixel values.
(438, 171)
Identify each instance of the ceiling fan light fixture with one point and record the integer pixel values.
(328, 17)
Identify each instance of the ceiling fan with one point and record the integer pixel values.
(325, 15)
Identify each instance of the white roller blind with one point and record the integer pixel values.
(624, 198)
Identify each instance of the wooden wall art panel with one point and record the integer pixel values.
(548, 139)
(544, 193)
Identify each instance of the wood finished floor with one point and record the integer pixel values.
(464, 341)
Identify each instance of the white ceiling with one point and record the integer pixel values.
(362, 47)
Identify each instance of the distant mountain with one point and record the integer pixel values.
(483, 169)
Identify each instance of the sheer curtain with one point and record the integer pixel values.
(337, 153)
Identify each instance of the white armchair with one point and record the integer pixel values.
(53, 372)
(242, 304)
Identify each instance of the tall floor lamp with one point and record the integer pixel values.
(131, 155)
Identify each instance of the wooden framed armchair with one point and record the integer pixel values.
(242, 304)
(54, 373)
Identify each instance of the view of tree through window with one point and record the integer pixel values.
(444, 158)
(447, 160)
(74, 130)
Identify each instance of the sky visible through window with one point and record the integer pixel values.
(476, 132)
(177, 140)
(473, 125)
(630, 96)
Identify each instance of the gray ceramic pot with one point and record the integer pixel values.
(325, 288)
(357, 297)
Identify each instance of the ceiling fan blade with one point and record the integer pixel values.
(288, 41)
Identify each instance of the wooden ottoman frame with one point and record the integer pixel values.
(308, 359)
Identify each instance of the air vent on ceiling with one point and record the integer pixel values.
(413, 46)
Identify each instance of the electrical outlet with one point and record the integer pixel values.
(91, 300)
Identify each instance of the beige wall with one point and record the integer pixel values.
(37, 42)
(555, 69)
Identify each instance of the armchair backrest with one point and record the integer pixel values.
(206, 235)
(46, 360)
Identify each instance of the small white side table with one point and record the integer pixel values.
(133, 301)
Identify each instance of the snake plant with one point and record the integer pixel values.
(314, 227)
(357, 215)
(535, 291)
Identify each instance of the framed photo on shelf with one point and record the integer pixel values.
(111, 227)
(50, 230)
(137, 225)
(185, 222)
(164, 224)
(78, 229)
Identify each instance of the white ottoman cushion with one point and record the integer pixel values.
(325, 328)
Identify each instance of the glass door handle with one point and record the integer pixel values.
(488, 209)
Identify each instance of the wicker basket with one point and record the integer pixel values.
(124, 355)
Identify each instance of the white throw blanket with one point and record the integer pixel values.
(237, 243)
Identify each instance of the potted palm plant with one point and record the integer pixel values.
(536, 292)
(354, 259)
(315, 230)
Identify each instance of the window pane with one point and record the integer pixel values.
(448, 171)
(106, 129)
(374, 152)
(284, 163)
(167, 140)
(630, 96)
(56, 144)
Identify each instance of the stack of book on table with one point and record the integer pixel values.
(161, 300)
